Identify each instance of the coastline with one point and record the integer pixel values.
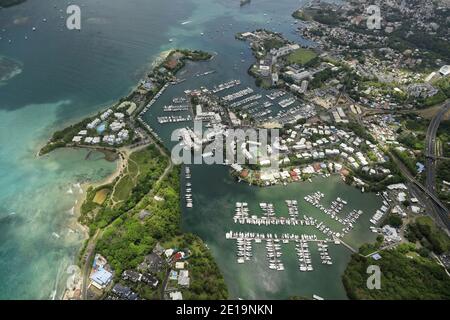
(123, 152)
(77, 226)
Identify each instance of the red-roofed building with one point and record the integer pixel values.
(244, 173)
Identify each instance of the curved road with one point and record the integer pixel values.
(430, 164)
(430, 148)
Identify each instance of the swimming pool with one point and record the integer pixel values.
(101, 128)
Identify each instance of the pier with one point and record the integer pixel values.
(188, 193)
(225, 86)
(174, 119)
(176, 108)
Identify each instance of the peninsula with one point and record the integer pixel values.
(139, 206)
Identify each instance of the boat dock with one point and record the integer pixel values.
(276, 94)
(287, 102)
(155, 98)
(188, 193)
(273, 255)
(237, 95)
(324, 256)
(175, 108)
(304, 256)
(173, 119)
(225, 86)
(244, 250)
(242, 216)
(336, 207)
(246, 100)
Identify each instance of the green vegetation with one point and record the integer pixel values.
(63, 137)
(125, 242)
(141, 165)
(274, 43)
(444, 85)
(429, 235)
(359, 130)
(443, 135)
(438, 98)
(404, 275)
(143, 170)
(379, 182)
(301, 56)
(128, 239)
(433, 46)
(126, 236)
(301, 15)
(324, 16)
(414, 123)
(443, 173)
(176, 60)
(369, 248)
(393, 220)
(208, 283)
(406, 158)
(321, 77)
(412, 140)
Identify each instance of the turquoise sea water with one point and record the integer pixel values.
(67, 75)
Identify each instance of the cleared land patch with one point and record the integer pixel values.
(301, 56)
(100, 196)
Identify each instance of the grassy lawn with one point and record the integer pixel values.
(139, 164)
(301, 56)
(123, 188)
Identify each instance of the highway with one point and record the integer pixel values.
(426, 194)
(436, 209)
(430, 164)
(430, 148)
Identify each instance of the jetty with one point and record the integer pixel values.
(225, 86)
(188, 191)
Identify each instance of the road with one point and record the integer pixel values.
(436, 209)
(90, 249)
(426, 194)
(430, 148)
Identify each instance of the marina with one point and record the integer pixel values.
(274, 241)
